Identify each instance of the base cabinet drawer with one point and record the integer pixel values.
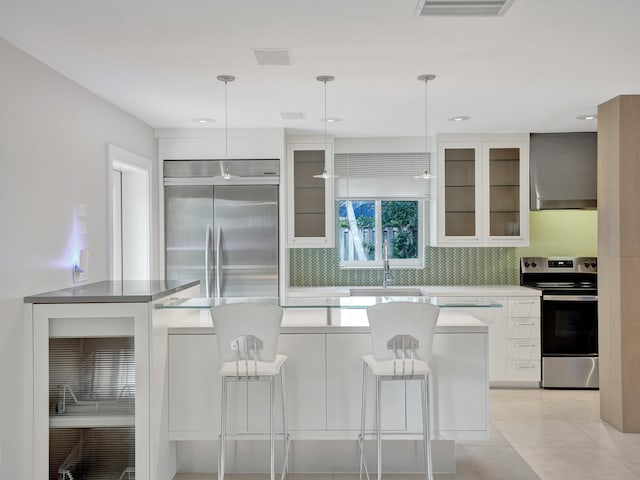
(524, 370)
(524, 349)
(524, 307)
(524, 327)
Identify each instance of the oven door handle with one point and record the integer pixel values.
(570, 298)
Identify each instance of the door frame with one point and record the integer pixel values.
(136, 212)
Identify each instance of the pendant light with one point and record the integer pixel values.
(225, 168)
(324, 79)
(425, 78)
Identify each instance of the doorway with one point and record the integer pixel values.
(130, 220)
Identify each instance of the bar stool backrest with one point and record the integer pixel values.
(397, 322)
(242, 324)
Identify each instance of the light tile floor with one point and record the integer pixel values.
(535, 434)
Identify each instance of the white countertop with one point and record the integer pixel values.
(428, 290)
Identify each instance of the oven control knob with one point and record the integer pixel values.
(587, 264)
(534, 264)
(594, 264)
(526, 264)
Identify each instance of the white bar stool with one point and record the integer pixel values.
(247, 338)
(402, 335)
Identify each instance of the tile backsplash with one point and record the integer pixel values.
(311, 267)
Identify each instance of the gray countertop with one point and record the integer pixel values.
(131, 291)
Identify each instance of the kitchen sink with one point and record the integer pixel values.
(384, 292)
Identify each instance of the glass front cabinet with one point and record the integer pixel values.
(482, 195)
(310, 208)
(89, 381)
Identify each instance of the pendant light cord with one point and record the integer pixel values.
(226, 130)
(226, 79)
(426, 78)
(324, 79)
(325, 118)
(426, 130)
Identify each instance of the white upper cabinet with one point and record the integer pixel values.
(310, 210)
(482, 194)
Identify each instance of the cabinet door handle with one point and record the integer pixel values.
(525, 366)
(522, 345)
(525, 323)
(525, 302)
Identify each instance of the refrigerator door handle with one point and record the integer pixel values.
(207, 267)
(219, 262)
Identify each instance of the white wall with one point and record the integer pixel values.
(382, 144)
(53, 137)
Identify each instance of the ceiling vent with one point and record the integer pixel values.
(273, 56)
(293, 115)
(465, 8)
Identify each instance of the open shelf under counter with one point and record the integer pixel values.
(94, 355)
(91, 421)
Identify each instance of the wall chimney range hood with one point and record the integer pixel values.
(563, 170)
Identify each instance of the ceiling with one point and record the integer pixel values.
(532, 70)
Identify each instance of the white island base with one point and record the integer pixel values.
(324, 377)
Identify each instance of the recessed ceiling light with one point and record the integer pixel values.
(203, 120)
(331, 119)
(459, 118)
(591, 116)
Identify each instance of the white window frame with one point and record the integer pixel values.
(377, 263)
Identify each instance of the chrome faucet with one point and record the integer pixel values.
(386, 274)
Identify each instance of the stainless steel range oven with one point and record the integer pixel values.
(569, 318)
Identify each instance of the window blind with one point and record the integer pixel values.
(381, 175)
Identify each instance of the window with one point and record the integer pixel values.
(380, 196)
(364, 225)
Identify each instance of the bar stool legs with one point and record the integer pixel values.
(426, 427)
(378, 422)
(272, 429)
(272, 435)
(363, 465)
(426, 424)
(223, 429)
(285, 429)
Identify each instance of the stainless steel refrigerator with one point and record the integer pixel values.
(223, 232)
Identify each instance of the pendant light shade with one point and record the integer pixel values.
(426, 78)
(225, 169)
(324, 79)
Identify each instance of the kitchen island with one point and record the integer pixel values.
(172, 420)
(324, 339)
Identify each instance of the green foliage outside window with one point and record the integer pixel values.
(403, 216)
(399, 222)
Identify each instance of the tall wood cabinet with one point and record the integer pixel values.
(482, 191)
(310, 210)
